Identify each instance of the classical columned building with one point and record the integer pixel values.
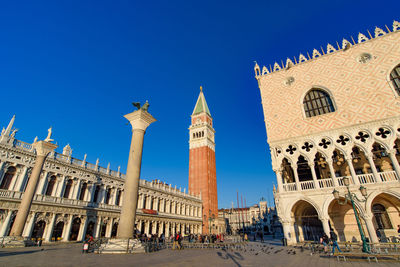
(331, 116)
(75, 197)
(257, 218)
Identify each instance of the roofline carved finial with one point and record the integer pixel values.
(201, 88)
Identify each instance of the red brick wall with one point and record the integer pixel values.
(203, 178)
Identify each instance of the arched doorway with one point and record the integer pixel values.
(307, 226)
(90, 228)
(114, 230)
(57, 232)
(38, 229)
(344, 223)
(76, 224)
(386, 209)
(8, 176)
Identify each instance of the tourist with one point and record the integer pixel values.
(334, 242)
(324, 240)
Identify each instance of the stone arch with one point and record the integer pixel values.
(38, 229)
(303, 168)
(287, 171)
(381, 158)
(343, 220)
(384, 207)
(307, 225)
(305, 199)
(360, 161)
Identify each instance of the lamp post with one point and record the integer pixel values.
(350, 197)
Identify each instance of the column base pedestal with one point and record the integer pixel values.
(17, 241)
(121, 246)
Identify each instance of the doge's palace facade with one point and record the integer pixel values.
(74, 197)
(331, 115)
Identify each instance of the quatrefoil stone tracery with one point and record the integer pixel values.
(342, 140)
(362, 136)
(307, 146)
(383, 133)
(324, 143)
(291, 149)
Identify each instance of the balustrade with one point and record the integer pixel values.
(289, 187)
(324, 183)
(306, 185)
(388, 176)
(366, 178)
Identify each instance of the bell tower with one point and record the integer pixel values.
(202, 171)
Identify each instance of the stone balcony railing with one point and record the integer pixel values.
(369, 178)
(17, 195)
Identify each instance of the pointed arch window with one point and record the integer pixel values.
(317, 102)
(395, 79)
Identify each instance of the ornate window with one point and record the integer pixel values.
(317, 102)
(5, 184)
(395, 79)
(381, 217)
(50, 186)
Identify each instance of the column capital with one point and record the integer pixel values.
(140, 119)
(43, 148)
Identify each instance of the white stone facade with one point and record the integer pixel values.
(74, 197)
(358, 138)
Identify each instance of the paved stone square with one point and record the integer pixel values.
(70, 255)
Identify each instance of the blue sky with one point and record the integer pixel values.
(78, 65)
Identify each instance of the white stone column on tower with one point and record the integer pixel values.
(296, 177)
(42, 183)
(395, 163)
(371, 229)
(2, 164)
(109, 227)
(21, 179)
(146, 227)
(42, 148)
(27, 231)
(67, 228)
(352, 171)
(82, 229)
(373, 168)
(6, 223)
(139, 120)
(167, 229)
(97, 227)
(332, 172)
(325, 226)
(77, 189)
(314, 175)
(49, 230)
(60, 186)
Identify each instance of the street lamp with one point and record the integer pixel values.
(351, 196)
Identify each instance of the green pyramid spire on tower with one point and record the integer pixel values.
(201, 104)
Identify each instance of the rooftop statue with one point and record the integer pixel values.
(145, 106)
(48, 138)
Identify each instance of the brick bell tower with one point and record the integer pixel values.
(202, 172)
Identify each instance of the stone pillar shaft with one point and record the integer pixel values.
(42, 150)
(139, 120)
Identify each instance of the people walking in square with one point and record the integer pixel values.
(334, 242)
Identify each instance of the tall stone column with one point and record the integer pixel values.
(371, 229)
(395, 163)
(42, 148)
(5, 224)
(332, 171)
(139, 120)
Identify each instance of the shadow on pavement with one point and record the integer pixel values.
(226, 256)
(13, 253)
